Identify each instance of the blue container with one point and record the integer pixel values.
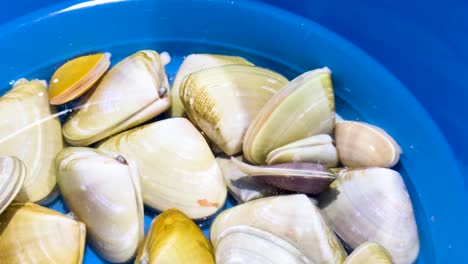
(34, 45)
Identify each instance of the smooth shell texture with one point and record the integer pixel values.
(310, 178)
(103, 191)
(77, 76)
(224, 100)
(133, 91)
(364, 145)
(245, 244)
(305, 107)
(243, 188)
(373, 205)
(318, 148)
(12, 174)
(369, 253)
(174, 238)
(293, 218)
(29, 131)
(176, 166)
(34, 234)
(194, 63)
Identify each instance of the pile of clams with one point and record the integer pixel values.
(310, 187)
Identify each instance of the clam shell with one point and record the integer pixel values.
(77, 76)
(318, 149)
(369, 253)
(293, 218)
(103, 191)
(194, 63)
(35, 234)
(174, 238)
(243, 188)
(12, 174)
(31, 132)
(133, 91)
(303, 108)
(223, 101)
(311, 178)
(364, 145)
(373, 205)
(245, 244)
(176, 166)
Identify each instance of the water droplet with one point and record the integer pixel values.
(55, 80)
(433, 218)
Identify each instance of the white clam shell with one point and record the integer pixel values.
(293, 218)
(103, 191)
(372, 205)
(176, 166)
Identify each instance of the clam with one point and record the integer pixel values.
(245, 244)
(293, 218)
(12, 174)
(318, 149)
(103, 190)
(311, 178)
(77, 76)
(373, 205)
(369, 253)
(176, 166)
(30, 131)
(364, 145)
(35, 234)
(174, 238)
(303, 108)
(243, 188)
(223, 101)
(194, 63)
(132, 92)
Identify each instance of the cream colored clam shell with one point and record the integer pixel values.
(30, 131)
(373, 205)
(35, 234)
(223, 101)
(103, 191)
(291, 217)
(12, 174)
(194, 63)
(369, 253)
(245, 244)
(132, 92)
(318, 149)
(364, 145)
(303, 108)
(176, 166)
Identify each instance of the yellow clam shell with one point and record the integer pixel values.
(30, 131)
(35, 234)
(369, 253)
(77, 76)
(174, 238)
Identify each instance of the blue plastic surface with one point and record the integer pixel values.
(33, 45)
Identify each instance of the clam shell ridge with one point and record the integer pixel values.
(12, 174)
(372, 205)
(30, 131)
(364, 145)
(132, 92)
(224, 100)
(35, 234)
(369, 253)
(303, 108)
(177, 168)
(175, 238)
(194, 63)
(290, 217)
(103, 190)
